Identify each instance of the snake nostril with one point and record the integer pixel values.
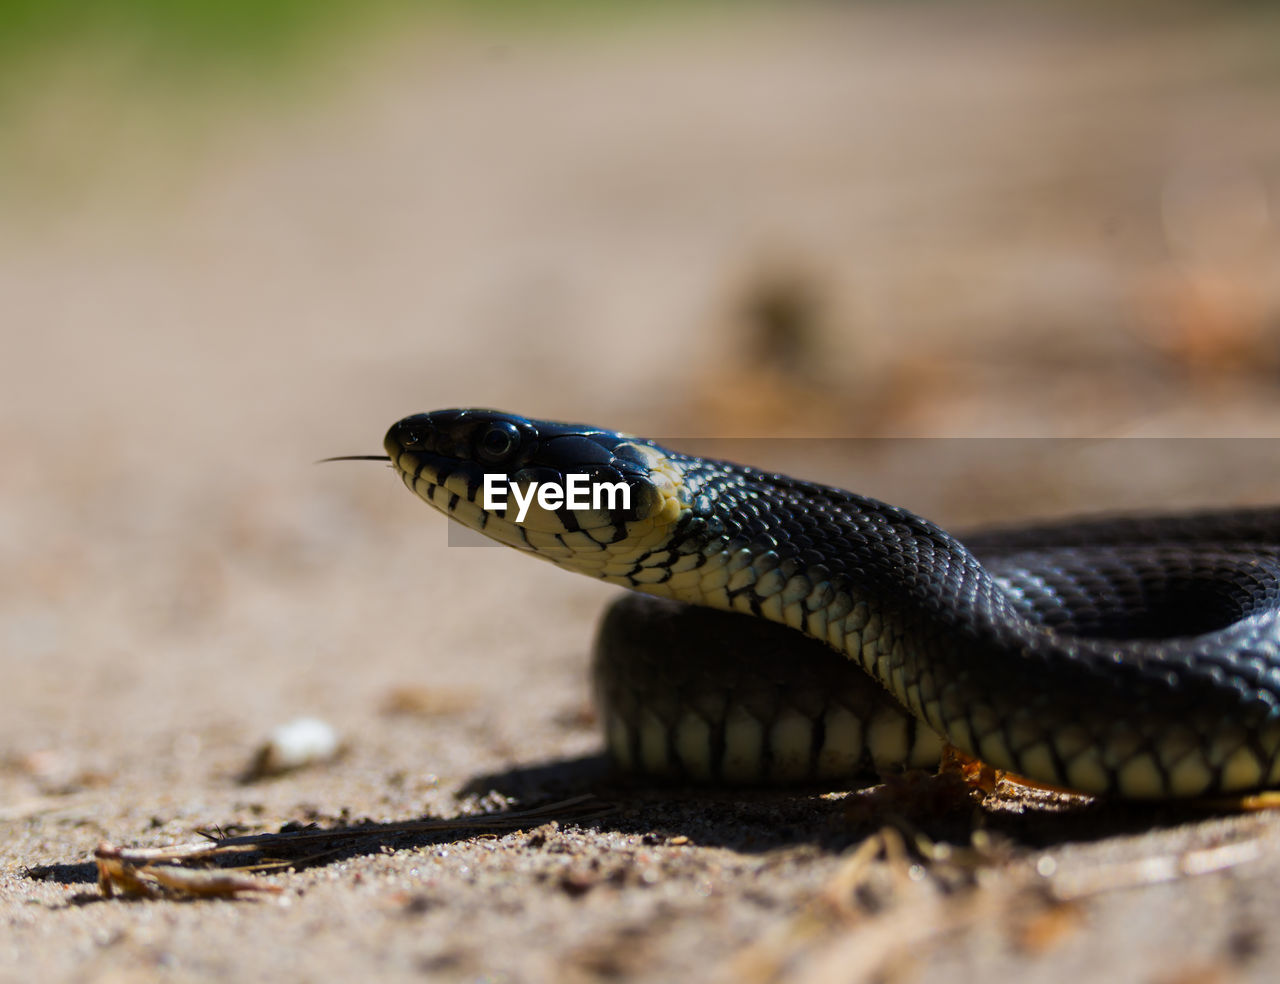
(412, 433)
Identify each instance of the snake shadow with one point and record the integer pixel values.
(748, 820)
(763, 818)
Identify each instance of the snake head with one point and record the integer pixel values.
(558, 490)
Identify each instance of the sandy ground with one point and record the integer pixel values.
(974, 227)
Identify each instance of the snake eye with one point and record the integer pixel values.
(498, 442)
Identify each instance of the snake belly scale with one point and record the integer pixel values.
(1132, 657)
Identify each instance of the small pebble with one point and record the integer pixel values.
(301, 742)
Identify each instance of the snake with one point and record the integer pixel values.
(781, 630)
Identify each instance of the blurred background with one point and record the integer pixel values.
(236, 237)
(690, 219)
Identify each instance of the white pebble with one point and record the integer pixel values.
(301, 742)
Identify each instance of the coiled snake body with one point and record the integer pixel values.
(1129, 657)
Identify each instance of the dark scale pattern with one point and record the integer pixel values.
(1126, 630)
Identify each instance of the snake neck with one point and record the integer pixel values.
(826, 562)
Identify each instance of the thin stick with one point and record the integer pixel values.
(577, 807)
